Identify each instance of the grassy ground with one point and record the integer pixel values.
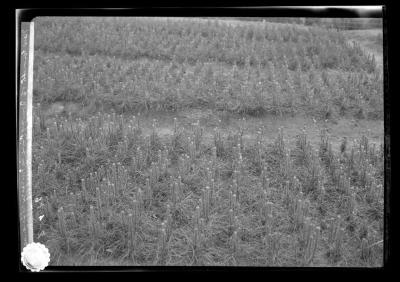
(212, 180)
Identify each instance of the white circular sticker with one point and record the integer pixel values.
(35, 256)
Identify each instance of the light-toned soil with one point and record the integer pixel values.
(230, 21)
(228, 123)
(292, 126)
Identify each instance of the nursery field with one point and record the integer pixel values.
(207, 143)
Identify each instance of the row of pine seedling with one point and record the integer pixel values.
(116, 192)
